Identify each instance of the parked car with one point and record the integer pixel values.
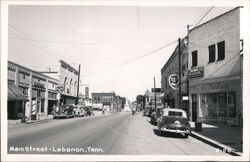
(156, 115)
(79, 111)
(65, 111)
(146, 111)
(175, 121)
(88, 111)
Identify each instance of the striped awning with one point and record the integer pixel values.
(14, 94)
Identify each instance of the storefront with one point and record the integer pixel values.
(217, 100)
(16, 102)
(52, 102)
(67, 99)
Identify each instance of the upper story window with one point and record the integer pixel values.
(211, 52)
(221, 50)
(194, 58)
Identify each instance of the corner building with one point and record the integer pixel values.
(215, 70)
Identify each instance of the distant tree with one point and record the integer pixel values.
(140, 99)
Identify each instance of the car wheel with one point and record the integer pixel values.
(186, 136)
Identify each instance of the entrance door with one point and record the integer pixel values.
(194, 107)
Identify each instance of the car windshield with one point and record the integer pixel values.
(175, 113)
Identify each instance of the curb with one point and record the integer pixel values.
(38, 121)
(216, 144)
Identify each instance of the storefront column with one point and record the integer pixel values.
(17, 76)
(199, 111)
(46, 98)
(29, 108)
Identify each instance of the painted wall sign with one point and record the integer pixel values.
(217, 86)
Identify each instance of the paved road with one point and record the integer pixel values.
(118, 133)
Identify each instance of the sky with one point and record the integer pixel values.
(120, 48)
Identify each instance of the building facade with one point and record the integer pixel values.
(170, 71)
(37, 90)
(107, 101)
(152, 96)
(215, 70)
(68, 82)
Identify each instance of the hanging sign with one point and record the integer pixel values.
(173, 81)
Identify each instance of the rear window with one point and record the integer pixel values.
(175, 113)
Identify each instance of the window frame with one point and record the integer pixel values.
(209, 53)
(194, 52)
(219, 50)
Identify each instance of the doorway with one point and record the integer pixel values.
(194, 107)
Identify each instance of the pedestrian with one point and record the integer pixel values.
(103, 111)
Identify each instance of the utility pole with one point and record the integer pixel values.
(79, 72)
(187, 67)
(155, 93)
(179, 40)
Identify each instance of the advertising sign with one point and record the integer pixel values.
(173, 81)
(196, 72)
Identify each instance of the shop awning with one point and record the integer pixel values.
(14, 94)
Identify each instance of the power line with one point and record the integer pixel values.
(115, 59)
(131, 61)
(38, 45)
(88, 44)
(231, 59)
(207, 12)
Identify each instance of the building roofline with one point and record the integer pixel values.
(215, 18)
(175, 52)
(36, 72)
(68, 65)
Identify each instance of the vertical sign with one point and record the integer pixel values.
(86, 92)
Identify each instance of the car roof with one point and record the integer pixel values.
(166, 110)
(173, 109)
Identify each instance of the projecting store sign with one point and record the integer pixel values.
(196, 72)
(173, 81)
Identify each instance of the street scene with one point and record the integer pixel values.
(125, 80)
(116, 133)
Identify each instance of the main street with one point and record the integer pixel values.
(119, 133)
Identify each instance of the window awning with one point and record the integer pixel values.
(14, 94)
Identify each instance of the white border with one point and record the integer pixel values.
(4, 57)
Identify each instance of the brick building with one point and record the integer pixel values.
(107, 101)
(170, 93)
(215, 70)
(28, 87)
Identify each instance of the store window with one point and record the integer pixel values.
(194, 58)
(19, 106)
(221, 50)
(231, 104)
(218, 105)
(209, 105)
(211, 52)
(222, 105)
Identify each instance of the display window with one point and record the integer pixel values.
(218, 105)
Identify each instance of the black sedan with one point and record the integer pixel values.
(175, 121)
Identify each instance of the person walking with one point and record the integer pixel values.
(103, 111)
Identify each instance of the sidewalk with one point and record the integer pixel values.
(13, 123)
(224, 137)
